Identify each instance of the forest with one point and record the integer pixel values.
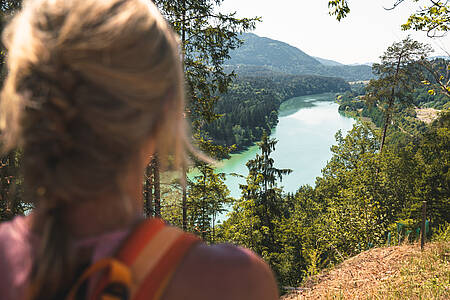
(370, 193)
(355, 205)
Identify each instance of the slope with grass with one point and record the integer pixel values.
(399, 272)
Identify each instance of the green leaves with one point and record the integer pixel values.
(338, 8)
(433, 19)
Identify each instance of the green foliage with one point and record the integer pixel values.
(11, 187)
(208, 197)
(404, 123)
(338, 8)
(256, 218)
(433, 161)
(433, 18)
(438, 79)
(397, 72)
(359, 199)
(207, 36)
(7, 8)
(442, 233)
(11, 195)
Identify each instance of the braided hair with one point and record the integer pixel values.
(88, 81)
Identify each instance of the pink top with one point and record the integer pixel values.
(17, 246)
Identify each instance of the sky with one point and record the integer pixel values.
(360, 38)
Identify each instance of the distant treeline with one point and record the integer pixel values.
(251, 105)
(423, 95)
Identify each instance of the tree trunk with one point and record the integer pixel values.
(183, 173)
(148, 192)
(157, 186)
(204, 208)
(387, 119)
(184, 198)
(391, 103)
(213, 227)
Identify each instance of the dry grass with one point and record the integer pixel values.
(427, 115)
(400, 272)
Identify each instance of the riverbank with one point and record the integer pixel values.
(305, 132)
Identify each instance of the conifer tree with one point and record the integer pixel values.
(257, 217)
(206, 36)
(208, 197)
(397, 73)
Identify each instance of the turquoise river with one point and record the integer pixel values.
(305, 133)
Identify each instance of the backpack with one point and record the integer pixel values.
(142, 267)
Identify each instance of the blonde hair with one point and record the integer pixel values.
(88, 82)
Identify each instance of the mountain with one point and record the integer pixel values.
(328, 62)
(275, 55)
(281, 57)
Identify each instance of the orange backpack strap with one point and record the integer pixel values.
(152, 253)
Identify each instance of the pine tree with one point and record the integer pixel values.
(207, 36)
(397, 73)
(264, 175)
(208, 197)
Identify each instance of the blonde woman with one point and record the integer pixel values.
(94, 89)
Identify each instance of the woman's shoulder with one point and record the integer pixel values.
(15, 237)
(220, 272)
(15, 256)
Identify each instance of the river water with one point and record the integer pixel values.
(305, 133)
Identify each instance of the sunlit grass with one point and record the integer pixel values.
(399, 272)
(425, 276)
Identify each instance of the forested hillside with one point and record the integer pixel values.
(282, 57)
(251, 104)
(355, 103)
(363, 199)
(372, 190)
